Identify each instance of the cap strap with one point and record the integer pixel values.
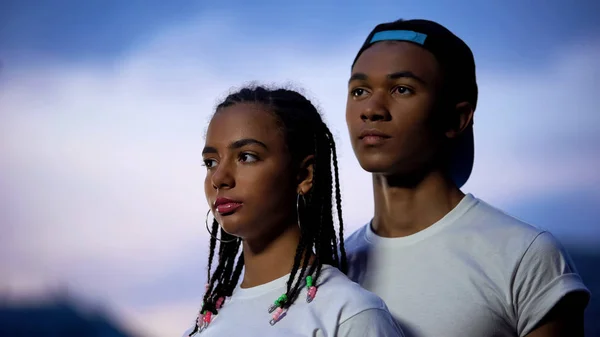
(399, 35)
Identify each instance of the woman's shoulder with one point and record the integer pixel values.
(357, 311)
(337, 289)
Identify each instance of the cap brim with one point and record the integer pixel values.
(463, 156)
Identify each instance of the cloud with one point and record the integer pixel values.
(537, 130)
(101, 162)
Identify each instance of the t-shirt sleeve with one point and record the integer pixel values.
(371, 322)
(544, 276)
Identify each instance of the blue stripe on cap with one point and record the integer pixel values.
(399, 35)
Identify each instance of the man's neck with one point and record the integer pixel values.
(265, 262)
(402, 210)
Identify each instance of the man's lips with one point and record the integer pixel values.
(372, 133)
(373, 137)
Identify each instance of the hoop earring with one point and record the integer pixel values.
(214, 236)
(298, 207)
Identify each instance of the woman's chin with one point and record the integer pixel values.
(232, 228)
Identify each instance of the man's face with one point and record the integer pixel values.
(390, 108)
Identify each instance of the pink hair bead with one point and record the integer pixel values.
(312, 292)
(207, 317)
(276, 315)
(219, 303)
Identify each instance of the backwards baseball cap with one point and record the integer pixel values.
(458, 66)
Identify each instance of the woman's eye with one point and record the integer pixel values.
(209, 163)
(248, 158)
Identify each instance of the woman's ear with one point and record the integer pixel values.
(306, 174)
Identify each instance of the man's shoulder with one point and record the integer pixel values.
(482, 230)
(357, 249)
(492, 221)
(357, 240)
(483, 219)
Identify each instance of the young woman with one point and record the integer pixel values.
(269, 184)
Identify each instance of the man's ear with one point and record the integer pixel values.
(462, 119)
(306, 174)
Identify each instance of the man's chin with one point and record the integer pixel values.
(392, 175)
(377, 165)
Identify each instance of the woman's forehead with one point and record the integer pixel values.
(244, 121)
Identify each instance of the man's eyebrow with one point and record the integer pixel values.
(236, 145)
(392, 76)
(358, 77)
(408, 74)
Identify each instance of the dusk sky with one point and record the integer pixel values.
(104, 106)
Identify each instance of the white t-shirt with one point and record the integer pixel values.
(476, 272)
(341, 308)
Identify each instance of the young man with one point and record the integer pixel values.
(447, 264)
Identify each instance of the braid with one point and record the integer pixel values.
(305, 135)
(327, 239)
(220, 282)
(300, 253)
(236, 274)
(338, 202)
(303, 253)
(316, 267)
(213, 244)
(229, 266)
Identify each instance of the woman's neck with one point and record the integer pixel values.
(265, 262)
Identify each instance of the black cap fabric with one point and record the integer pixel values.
(458, 65)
